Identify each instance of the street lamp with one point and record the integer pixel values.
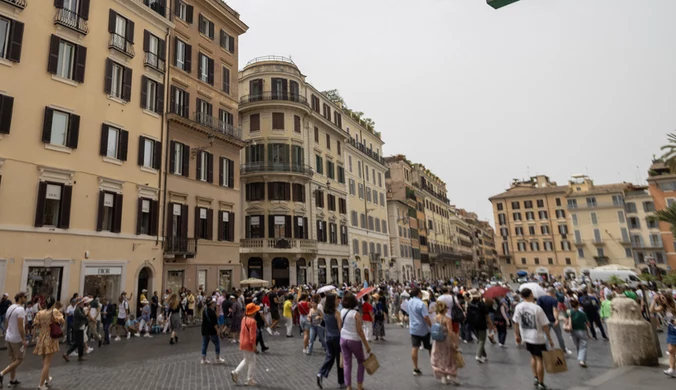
(496, 4)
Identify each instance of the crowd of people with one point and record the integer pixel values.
(345, 321)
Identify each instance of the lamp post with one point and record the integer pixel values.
(496, 4)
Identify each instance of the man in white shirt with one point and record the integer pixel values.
(450, 301)
(532, 325)
(15, 338)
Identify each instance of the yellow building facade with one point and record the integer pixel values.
(402, 199)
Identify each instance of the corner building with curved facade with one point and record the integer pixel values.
(293, 177)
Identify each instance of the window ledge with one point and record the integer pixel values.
(112, 160)
(5, 62)
(178, 19)
(151, 113)
(59, 148)
(149, 170)
(207, 38)
(64, 80)
(117, 100)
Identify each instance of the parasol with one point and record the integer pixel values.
(496, 291)
(254, 282)
(326, 289)
(535, 288)
(364, 291)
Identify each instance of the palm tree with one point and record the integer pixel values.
(668, 215)
(669, 156)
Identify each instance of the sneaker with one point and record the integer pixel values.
(583, 364)
(251, 382)
(444, 381)
(48, 383)
(206, 361)
(569, 352)
(319, 381)
(541, 386)
(464, 341)
(219, 361)
(276, 333)
(453, 380)
(147, 335)
(233, 375)
(128, 336)
(14, 383)
(117, 338)
(536, 382)
(264, 349)
(269, 330)
(137, 335)
(670, 372)
(480, 359)
(417, 372)
(503, 346)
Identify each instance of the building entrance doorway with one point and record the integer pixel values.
(280, 271)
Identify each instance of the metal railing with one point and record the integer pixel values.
(276, 167)
(292, 244)
(270, 96)
(121, 44)
(71, 20)
(271, 58)
(594, 205)
(217, 125)
(154, 61)
(180, 245)
(17, 3)
(367, 151)
(158, 6)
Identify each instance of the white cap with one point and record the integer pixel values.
(5, 295)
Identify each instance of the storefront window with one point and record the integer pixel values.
(255, 269)
(357, 275)
(45, 282)
(334, 271)
(175, 280)
(202, 279)
(366, 275)
(225, 280)
(322, 271)
(301, 272)
(346, 271)
(103, 282)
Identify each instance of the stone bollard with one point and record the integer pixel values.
(632, 339)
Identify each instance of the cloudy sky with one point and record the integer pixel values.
(483, 96)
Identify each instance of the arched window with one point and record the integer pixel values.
(321, 265)
(357, 275)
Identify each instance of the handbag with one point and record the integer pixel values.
(371, 364)
(55, 330)
(459, 360)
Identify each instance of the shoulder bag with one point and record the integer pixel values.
(55, 330)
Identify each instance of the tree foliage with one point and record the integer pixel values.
(668, 215)
(669, 156)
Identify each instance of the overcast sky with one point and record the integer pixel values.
(481, 96)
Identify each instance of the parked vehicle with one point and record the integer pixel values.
(630, 277)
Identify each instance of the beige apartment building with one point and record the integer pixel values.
(81, 176)
(401, 263)
(293, 172)
(462, 240)
(203, 145)
(533, 229)
(485, 249)
(643, 229)
(367, 203)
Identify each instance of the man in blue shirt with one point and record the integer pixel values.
(549, 305)
(419, 325)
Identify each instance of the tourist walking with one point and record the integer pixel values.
(379, 317)
(531, 325)
(332, 324)
(92, 313)
(122, 312)
(5, 303)
(210, 330)
(46, 345)
(303, 312)
(353, 340)
(107, 316)
(367, 315)
(174, 317)
(480, 321)
(591, 305)
(419, 327)
(578, 325)
(443, 351)
(260, 325)
(315, 319)
(550, 305)
(500, 318)
(664, 304)
(235, 321)
(80, 322)
(15, 338)
(247, 344)
(288, 315)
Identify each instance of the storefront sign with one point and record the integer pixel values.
(255, 221)
(279, 220)
(53, 192)
(103, 271)
(177, 209)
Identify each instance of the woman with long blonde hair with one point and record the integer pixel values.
(174, 317)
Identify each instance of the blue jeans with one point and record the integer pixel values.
(205, 343)
(580, 341)
(2, 321)
(314, 332)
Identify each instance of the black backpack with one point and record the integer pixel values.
(587, 303)
(474, 313)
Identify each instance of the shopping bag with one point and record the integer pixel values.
(555, 361)
(459, 360)
(371, 364)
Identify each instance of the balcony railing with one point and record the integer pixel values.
(367, 151)
(279, 244)
(217, 125)
(21, 4)
(71, 20)
(181, 246)
(276, 167)
(647, 245)
(158, 6)
(595, 205)
(121, 44)
(267, 96)
(602, 260)
(154, 61)
(598, 242)
(437, 195)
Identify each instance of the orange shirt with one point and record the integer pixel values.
(247, 334)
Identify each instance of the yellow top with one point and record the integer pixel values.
(287, 309)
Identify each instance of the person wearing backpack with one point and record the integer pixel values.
(454, 308)
(590, 305)
(480, 321)
(445, 346)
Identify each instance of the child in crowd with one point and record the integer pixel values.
(131, 326)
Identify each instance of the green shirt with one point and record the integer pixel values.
(605, 309)
(578, 319)
(631, 294)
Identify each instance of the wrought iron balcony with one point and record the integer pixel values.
(253, 168)
(367, 151)
(121, 44)
(598, 242)
(71, 20)
(217, 125)
(180, 246)
(602, 260)
(268, 96)
(158, 6)
(21, 4)
(154, 61)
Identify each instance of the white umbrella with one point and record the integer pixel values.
(254, 282)
(535, 288)
(326, 289)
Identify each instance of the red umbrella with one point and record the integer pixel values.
(364, 291)
(496, 291)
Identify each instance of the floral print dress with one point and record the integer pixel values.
(443, 353)
(46, 345)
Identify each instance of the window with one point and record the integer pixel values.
(338, 148)
(600, 252)
(362, 221)
(341, 174)
(321, 231)
(380, 180)
(152, 95)
(366, 172)
(66, 60)
(278, 190)
(328, 141)
(296, 123)
(342, 206)
(523, 260)
(634, 223)
(6, 108)
(655, 241)
(384, 229)
(353, 219)
(518, 231)
(572, 203)
(516, 205)
(277, 121)
(563, 229)
(255, 192)
(548, 245)
(574, 218)
(565, 245)
(206, 26)
(534, 246)
(319, 199)
(227, 42)
(594, 219)
(180, 159)
(516, 216)
(332, 202)
(504, 232)
(148, 216)
(11, 37)
(377, 225)
(184, 11)
(631, 207)
(333, 235)
(382, 199)
(226, 226)
(205, 70)
(330, 170)
(121, 32)
(351, 186)
(499, 206)
(226, 173)
(540, 203)
(530, 216)
(60, 128)
(521, 246)
(53, 206)
(542, 214)
(528, 204)
(183, 55)
(368, 194)
(110, 212)
(149, 153)
(204, 112)
(118, 81)
(203, 223)
(365, 248)
(114, 142)
(648, 207)
(315, 103)
(316, 135)
(371, 223)
(502, 220)
(536, 261)
(580, 253)
(591, 201)
(531, 230)
(651, 222)
(578, 236)
(326, 111)
(560, 214)
(319, 164)
(254, 122)
(225, 76)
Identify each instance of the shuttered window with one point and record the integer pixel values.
(227, 173)
(11, 39)
(6, 109)
(114, 142)
(179, 159)
(66, 59)
(152, 95)
(60, 128)
(226, 226)
(118, 80)
(149, 153)
(227, 42)
(53, 205)
(110, 212)
(254, 122)
(147, 217)
(277, 121)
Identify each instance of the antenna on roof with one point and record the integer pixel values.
(638, 176)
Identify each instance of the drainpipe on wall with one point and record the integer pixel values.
(165, 121)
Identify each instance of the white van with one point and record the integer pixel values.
(630, 277)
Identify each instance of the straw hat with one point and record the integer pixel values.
(251, 309)
(144, 302)
(474, 293)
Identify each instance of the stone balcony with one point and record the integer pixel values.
(277, 245)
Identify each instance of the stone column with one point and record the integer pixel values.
(267, 269)
(293, 275)
(632, 338)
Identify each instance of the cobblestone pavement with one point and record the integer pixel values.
(142, 363)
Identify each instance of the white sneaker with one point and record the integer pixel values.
(128, 336)
(137, 335)
(452, 380)
(480, 359)
(206, 361)
(48, 382)
(90, 350)
(117, 338)
(444, 381)
(670, 372)
(269, 330)
(503, 346)
(147, 335)
(219, 361)
(305, 351)
(569, 352)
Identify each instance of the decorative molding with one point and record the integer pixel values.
(149, 170)
(112, 160)
(75, 232)
(177, 197)
(279, 209)
(55, 175)
(112, 185)
(204, 202)
(148, 192)
(64, 80)
(68, 34)
(223, 205)
(204, 47)
(254, 210)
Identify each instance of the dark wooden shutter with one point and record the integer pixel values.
(112, 20)
(231, 173)
(231, 227)
(159, 105)
(154, 217)
(66, 200)
(271, 187)
(6, 107)
(287, 226)
(139, 215)
(162, 50)
(210, 167)
(40, 206)
(146, 41)
(186, 105)
(141, 149)
(103, 148)
(319, 231)
(144, 92)
(247, 227)
(73, 131)
(262, 220)
(188, 58)
(275, 92)
(189, 12)
(172, 156)
(126, 84)
(306, 228)
(117, 213)
(53, 60)
(221, 174)
(287, 191)
(296, 228)
(130, 31)
(285, 89)
(58, 3)
(198, 170)
(271, 226)
(172, 100)
(80, 64)
(99, 215)
(232, 44)
(198, 232)
(200, 20)
(170, 219)
(221, 226)
(211, 30)
(210, 78)
(123, 145)
(108, 82)
(254, 122)
(47, 125)
(84, 9)
(199, 70)
(210, 224)
(184, 220)
(15, 42)
(223, 38)
(186, 160)
(158, 155)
